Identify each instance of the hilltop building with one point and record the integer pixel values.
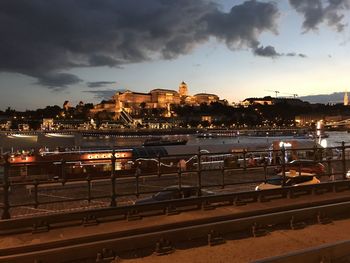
(183, 89)
(134, 102)
(268, 100)
(254, 101)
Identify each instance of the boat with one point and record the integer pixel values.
(217, 134)
(79, 163)
(207, 135)
(160, 141)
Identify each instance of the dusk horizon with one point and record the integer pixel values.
(81, 51)
(336, 97)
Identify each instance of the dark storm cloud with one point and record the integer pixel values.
(57, 81)
(43, 38)
(99, 84)
(268, 51)
(293, 54)
(104, 94)
(102, 60)
(244, 23)
(316, 12)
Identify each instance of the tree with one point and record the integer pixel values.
(104, 115)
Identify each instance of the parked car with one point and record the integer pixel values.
(174, 192)
(292, 179)
(348, 175)
(303, 165)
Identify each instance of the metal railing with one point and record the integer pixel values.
(235, 170)
(335, 192)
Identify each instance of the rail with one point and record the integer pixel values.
(334, 252)
(164, 239)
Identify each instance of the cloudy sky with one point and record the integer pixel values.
(51, 51)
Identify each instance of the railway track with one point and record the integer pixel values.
(163, 238)
(334, 252)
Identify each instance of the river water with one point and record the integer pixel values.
(34, 142)
(334, 139)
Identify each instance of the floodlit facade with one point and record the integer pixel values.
(134, 102)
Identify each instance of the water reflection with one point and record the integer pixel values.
(15, 142)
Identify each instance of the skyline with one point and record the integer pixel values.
(291, 46)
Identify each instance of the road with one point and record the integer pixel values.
(97, 192)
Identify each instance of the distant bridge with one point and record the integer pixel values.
(341, 123)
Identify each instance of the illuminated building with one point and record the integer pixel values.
(134, 102)
(5, 124)
(205, 98)
(106, 105)
(207, 118)
(268, 100)
(262, 101)
(183, 89)
(48, 124)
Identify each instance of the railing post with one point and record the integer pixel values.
(265, 172)
(283, 162)
(36, 200)
(343, 159)
(88, 179)
(179, 175)
(199, 172)
(158, 167)
(329, 167)
(63, 171)
(315, 152)
(244, 160)
(137, 175)
(6, 185)
(223, 177)
(113, 194)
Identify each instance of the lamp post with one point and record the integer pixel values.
(318, 132)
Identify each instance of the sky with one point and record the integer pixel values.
(85, 50)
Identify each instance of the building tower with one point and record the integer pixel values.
(183, 89)
(346, 99)
(66, 105)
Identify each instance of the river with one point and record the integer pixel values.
(8, 143)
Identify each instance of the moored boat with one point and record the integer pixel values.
(207, 135)
(160, 141)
